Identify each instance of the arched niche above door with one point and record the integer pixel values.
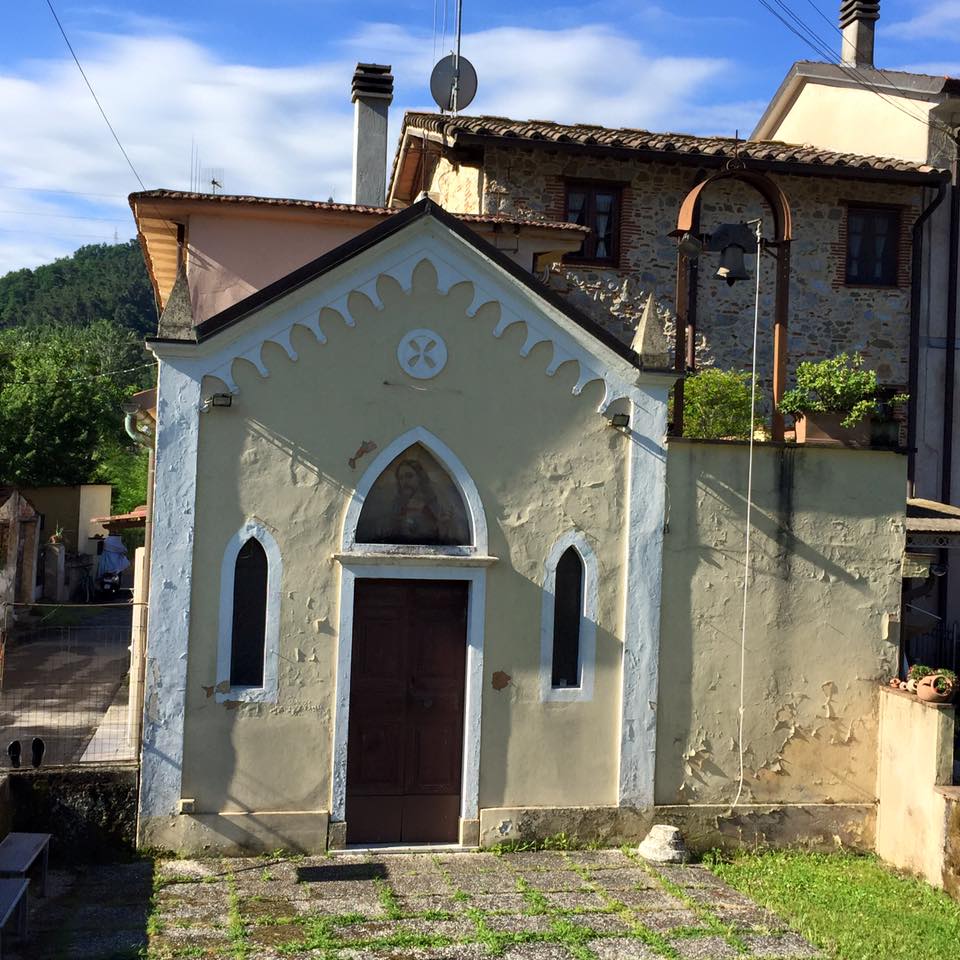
(414, 501)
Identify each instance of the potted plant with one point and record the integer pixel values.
(57, 535)
(834, 401)
(915, 674)
(937, 687)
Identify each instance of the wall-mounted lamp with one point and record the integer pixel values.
(620, 421)
(690, 246)
(216, 400)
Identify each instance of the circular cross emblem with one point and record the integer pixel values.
(422, 354)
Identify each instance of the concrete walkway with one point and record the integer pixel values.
(589, 905)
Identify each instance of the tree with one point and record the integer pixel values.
(60, 393)
(101, 281)
(716, 405)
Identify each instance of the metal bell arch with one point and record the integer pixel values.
(687, 273)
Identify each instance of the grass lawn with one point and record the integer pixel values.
(850, 905)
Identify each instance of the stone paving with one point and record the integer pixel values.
(589, 905)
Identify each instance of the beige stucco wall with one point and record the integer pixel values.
(71, 508)
(828, 534)
(856, 120)
(543, 461)
(916, 755)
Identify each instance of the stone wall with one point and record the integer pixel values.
(826, 316)
(90, 811)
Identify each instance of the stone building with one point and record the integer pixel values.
(425, 565)
(628, 186)
(915, 117)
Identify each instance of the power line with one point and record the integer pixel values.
(834, 26)
(806, 34)
(93, 94)
(65, 216)
(93, 376)
(56, 235)
(812, 39)
(70, 193)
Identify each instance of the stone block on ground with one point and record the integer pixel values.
(664, 844)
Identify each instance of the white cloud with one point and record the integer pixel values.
(589, 74)
(934, 21)
(286, 131)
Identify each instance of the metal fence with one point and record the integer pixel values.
(938, 648)
(65, 676)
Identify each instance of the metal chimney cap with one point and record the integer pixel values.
(372, 81)
(854, 10)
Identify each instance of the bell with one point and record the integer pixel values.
(731, 266)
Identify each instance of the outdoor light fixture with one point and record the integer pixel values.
(620, 420)
(690, 246)
(217, 400)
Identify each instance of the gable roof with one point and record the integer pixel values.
(899, 83)
(772, 156)
(387, 228)
(158, 214)
(230, 200)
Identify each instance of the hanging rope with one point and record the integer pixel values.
(746, 552)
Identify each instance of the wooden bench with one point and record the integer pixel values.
(13, 900)
(19, 852)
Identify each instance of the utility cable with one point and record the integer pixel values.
(92, 376)
(816, 43)
(93, 94)
(746, 553)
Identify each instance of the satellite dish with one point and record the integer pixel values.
(453, 83)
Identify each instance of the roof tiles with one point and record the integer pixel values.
(676, 144)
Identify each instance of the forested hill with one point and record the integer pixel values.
(98, 282)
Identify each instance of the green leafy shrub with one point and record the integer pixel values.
(918, 671)
(716, 405)
(837, 385)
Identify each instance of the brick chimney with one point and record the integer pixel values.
(858, 20)
(372, 94)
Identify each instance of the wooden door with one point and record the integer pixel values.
(405, 740)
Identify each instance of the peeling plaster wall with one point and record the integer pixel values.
(544, 461)
(828, 533)
(916, 757)
(460, 184)
(826, 317)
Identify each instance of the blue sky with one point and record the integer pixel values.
(263, 88)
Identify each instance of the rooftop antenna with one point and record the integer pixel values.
(453, 83)
(213, 176)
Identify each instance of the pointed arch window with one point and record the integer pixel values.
(414, 501)
(248, 630)
(567, 617)
(248, 648)
(568, 626)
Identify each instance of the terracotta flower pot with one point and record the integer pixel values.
(926, 689)
(825, 428)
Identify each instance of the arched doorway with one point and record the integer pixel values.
(406, 752)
